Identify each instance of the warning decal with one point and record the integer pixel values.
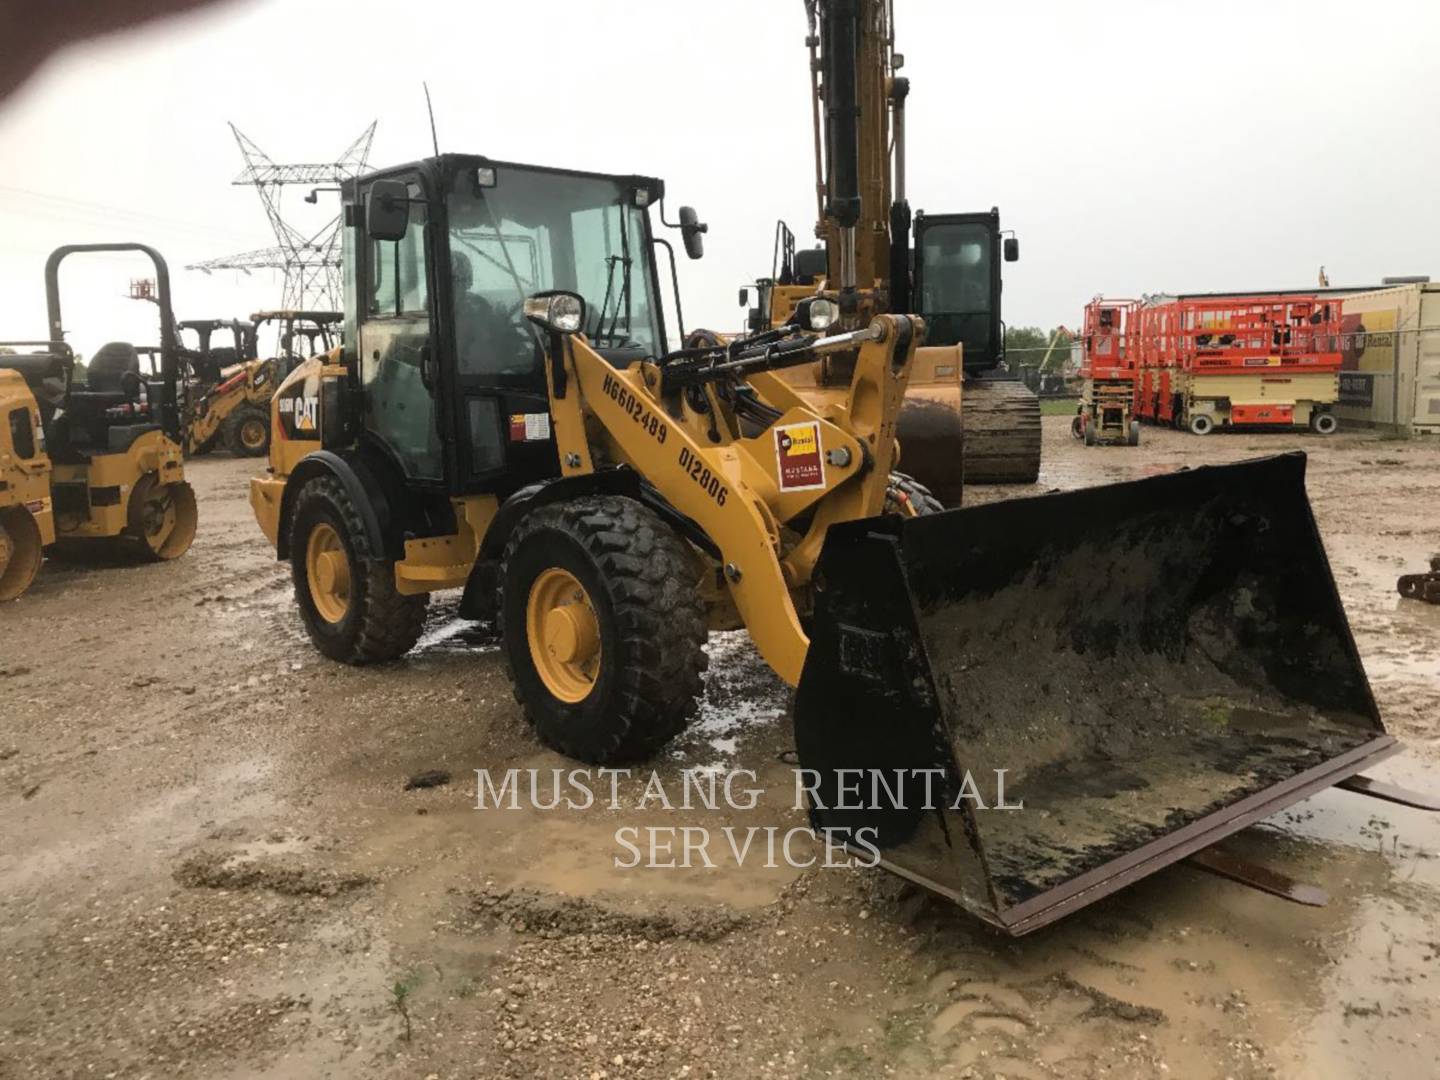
(797, 453)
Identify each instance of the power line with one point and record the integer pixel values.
(66, 208)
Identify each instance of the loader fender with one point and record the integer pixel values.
(360, 483)
(478, 600)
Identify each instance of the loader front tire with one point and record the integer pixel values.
(604, 628)
(247, 432)
(346, 593)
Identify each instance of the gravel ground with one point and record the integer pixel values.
(210, 865)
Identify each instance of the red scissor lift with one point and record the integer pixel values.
(1224, 362)
(1107, 401)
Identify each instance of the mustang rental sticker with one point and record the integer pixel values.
(797, 451)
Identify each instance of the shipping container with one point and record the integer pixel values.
(1390, 344)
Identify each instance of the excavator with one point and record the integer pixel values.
(1146, 667)
(950, 276)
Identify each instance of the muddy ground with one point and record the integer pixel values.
(210, 866)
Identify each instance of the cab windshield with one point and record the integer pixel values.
(534, 231)
(956, 263)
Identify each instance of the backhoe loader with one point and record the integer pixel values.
(986, 431)
(1157, 663)
(229, 403)
(98, 462)
(227, 390)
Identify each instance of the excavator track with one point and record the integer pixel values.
(1001, 420)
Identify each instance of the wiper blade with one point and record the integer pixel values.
(612, 335)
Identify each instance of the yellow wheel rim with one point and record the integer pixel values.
(327, 570)
(157, 515)
(564, 635)
(252, 434)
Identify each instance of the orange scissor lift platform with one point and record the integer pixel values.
(1106, 415)
(1226, 362)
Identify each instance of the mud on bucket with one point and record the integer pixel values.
(1154, 665)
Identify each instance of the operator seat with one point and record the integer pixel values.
(109, 363)
(84, 427)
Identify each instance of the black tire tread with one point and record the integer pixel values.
(651, 577)
(229, 433)
(390, 623)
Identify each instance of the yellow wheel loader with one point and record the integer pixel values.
(1146, 667)
(98, 462)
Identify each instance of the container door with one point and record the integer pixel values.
(1427, 373)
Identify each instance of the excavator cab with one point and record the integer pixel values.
(957, 284)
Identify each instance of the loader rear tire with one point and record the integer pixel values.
(908, 497)
(247, 432)
(346, 592)
(604, 628)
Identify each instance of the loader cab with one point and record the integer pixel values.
(441, 256)
(958, 282)
(299, 334)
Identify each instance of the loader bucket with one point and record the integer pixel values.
(1154, 665)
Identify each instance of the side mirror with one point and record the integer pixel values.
(744, 297)
(1012, 249)
(693, 230)
(387, 210)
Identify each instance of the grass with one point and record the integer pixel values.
(400, 993)
(1058, 406)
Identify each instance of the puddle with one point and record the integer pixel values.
(450, 635)
(742, 697)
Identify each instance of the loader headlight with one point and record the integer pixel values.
(821, 314)
(560, 312)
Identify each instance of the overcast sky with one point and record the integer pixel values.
(1135, 145)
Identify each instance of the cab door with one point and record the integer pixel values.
(396, 347)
